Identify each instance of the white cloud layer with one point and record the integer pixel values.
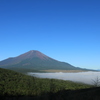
(84, 77)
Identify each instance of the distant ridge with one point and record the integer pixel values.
(35, 60)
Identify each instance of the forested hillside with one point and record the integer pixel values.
(13, 83)
(17, 86)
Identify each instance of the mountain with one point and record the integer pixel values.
(28, 55)
(35, 60)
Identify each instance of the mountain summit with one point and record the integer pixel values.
(32, 54)
(35, 60)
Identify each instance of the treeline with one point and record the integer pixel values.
(17, 84)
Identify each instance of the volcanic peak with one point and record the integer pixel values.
(32, 54)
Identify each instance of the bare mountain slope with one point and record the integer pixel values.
(28, 55)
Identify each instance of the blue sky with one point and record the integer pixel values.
(66, 30)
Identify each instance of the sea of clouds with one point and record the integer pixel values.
(85, 77)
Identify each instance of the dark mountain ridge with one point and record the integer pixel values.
(35, 60)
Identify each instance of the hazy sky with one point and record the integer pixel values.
(66, 30)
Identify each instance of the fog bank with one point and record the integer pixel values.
(84, 77)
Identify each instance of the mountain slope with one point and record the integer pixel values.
(17, 84)
(35, 60)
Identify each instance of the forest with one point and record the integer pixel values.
(14, 84)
